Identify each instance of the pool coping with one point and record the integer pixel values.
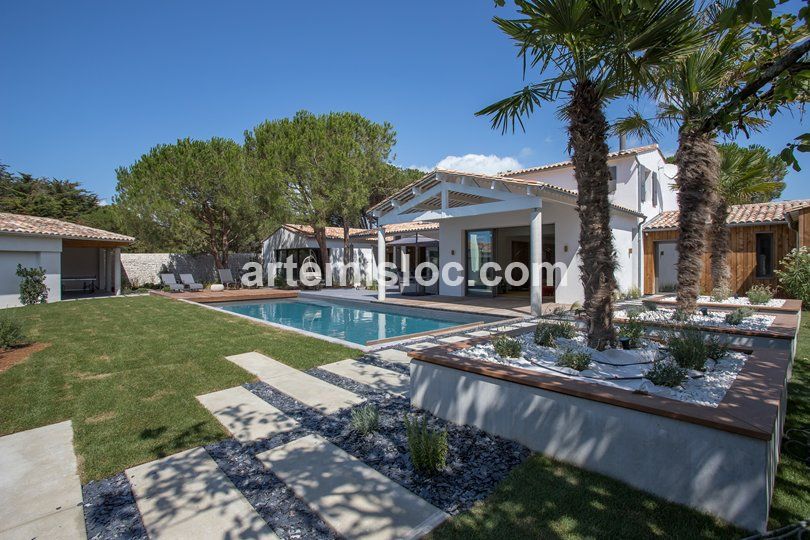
(790, 306)
(750, 407)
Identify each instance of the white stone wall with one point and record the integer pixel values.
(142, 268)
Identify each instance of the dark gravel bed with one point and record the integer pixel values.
(110, 511)
(373, 360)
(476, 461)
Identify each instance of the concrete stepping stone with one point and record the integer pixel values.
(420, 346)
(371, 375)
(245, 415)
(525, 324)
(355, 500)
(394, 356)
(454, 339)
(320, 395)
(187, 496)
(40, 489)
(480, 333)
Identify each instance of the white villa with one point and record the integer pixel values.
(526, 216)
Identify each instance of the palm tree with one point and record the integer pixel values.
(747, 175)
(687, 96)
(592, 51)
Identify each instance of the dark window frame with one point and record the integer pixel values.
(769, 263)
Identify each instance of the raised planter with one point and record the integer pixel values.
(790, 305)
(781, 335)
(721, 460)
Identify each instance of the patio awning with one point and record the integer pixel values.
(414, 240)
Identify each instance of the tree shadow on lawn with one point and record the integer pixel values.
(544, 498)
(187, 438)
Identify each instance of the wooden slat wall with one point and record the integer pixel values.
(742, 260)
(804, 227)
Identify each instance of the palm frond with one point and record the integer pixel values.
(637, 126)
(509, 112)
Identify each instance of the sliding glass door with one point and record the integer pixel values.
(480, 250)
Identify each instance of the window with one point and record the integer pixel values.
(764, 254)
(299, 256)
(654, 188)
(643, 173)
(612, 184)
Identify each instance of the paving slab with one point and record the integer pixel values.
(371, 375)
(454, 339)
(420, 346)
(245, 415)
(351, 497)
(480, 333)
(320, 395)
(394, 356)
(40, 489)
(525, 324)
(186, 495)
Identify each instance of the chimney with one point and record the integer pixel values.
(622, 141)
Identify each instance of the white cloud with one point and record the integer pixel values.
(525, 152)
(479, 163)
(423, 168)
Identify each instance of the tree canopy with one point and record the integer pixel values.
(750, 174)
(45, 197)
(194, 196)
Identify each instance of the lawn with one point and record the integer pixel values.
(126, 371)
(544, 498)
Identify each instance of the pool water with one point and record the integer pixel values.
(356, 322)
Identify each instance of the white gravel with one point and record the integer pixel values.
(757, 321)
(743, 301)
(618, 368)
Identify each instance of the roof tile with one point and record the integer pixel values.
(42, 226)
(739, 214)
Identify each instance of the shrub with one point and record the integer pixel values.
(666, 373)
(649, 305)
(688, 348)
(633, 293)
(546, 332)
(32, 285)
(428, 447)
(365, 419)
(794, 274)
(507, 347)
(11, 333)
(720, 294)
(577, 360)
(715, 348)
(738, 315)
(759, 294)
(681, 316)
(633, 329)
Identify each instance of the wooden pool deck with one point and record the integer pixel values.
(231, 295)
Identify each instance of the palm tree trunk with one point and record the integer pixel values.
(698, 170)
(587, 133)
(718, 243)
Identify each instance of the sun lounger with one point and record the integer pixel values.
(188, 281)
(170, 281)
(226, 278)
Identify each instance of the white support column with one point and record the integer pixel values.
(536, 249)
(102, 269)
(117, 270)
(380, 264)
(110, 258)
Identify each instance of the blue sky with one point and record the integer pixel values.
(91, 86)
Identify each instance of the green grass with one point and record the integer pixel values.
(791, 497)
(544, 498)
(126, 371)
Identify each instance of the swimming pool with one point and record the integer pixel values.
(355, 322)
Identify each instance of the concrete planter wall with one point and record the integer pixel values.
(719, 460)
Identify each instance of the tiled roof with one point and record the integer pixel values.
(332, 233)
(561, 164)
(41, 226)
(739, 214)
(400, 228)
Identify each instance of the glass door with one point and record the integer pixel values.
(480, 250)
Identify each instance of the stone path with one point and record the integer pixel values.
(187, 496)
(320, 395)
(394, 356)
(420, 346)
(371, 375)
(354, 499)
(245, 415)
(453, 339)
(39, 485)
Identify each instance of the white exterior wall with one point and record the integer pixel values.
(285, 239)
(30, 251)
